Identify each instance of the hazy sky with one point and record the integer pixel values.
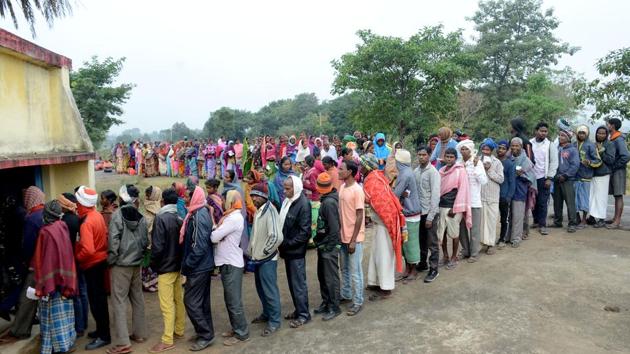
(190, 60)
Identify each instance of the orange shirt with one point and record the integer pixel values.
(350, 200)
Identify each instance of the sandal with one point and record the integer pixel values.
(290, 316)
(161, 347)
(119, 349)
(137, 339)
(269, 331)
(260, 319)
(379, 296)
(410, 279)
(228, 334)
(613, 226)
(298, 322)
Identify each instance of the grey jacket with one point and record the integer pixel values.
(428, 184)
(128, 237)
(266, 235)
(407, 182)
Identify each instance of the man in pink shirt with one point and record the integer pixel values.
(351, 208)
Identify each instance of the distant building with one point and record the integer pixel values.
(43, 141)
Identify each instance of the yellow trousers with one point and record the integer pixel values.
(171, 297)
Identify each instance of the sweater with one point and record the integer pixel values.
(166, 252)
(491, 191)
(128, 237)
(198, 251)
(587, 151)
(509, 180)
(296, 229)
(406, 181)
(328, 234)
(227, 238)
(266, 235)
(569, 162)
(91, 249)
(622, 156)
(428, 183)
(606, 152)
(476, 178)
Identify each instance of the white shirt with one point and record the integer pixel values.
(476, 178)
(540, 156)
(332, 152)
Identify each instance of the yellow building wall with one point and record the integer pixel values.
(37, 109)
(63, 178)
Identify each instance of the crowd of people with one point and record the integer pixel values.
(268, 201)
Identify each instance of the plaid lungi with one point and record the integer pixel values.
(56, 322)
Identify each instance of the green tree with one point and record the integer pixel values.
(99, 102)
(340, 112)
(50, 9)
(404, 84)
(180, 131)
(228, 122)
(515, 39)
(610, 94)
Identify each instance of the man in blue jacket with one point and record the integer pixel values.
(506, 192)
(197, 266)
(563, 187)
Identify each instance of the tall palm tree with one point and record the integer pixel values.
(50, 9)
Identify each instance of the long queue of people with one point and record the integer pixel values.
(480, 199)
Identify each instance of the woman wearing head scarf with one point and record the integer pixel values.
(295, 218)
(228, 257)
(391, 170)
(490, 193)
(34, 205)
(197, 265)
(381, 150)
(180, 189)
(55, 282)
(152, 205)
(601, 177)
(283, 173)
(209, 152)
(302, 151)
(446, 141)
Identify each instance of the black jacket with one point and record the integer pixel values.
(296, 229)
(74, 223)
(328, 224)
(166, 252)
(198, 250)
(607, 154)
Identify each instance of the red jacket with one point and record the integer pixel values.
(91, 249)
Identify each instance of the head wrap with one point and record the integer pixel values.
(33, 197)
(260, 190)
(68, 202)
(517, 140)
(445, 133)
(403, 156)
(197, 201)
(369, 162)
(180, 189)
(563, 124)
(582, 128)
(468, 144)
(192, 182)
(348, 138)
(503, 143)
(567, 133)
(297, 187)
(351, 145)
(489, 143)
(52, 212)
(86, 196)
(123, 193)
(324, 183)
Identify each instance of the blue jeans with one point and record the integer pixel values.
(81, 304)
(351, 270)
(542, 200)
(266, 277)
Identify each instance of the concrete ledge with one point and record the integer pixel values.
(32, 51)
(44, 159)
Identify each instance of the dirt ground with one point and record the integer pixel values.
(548, 296)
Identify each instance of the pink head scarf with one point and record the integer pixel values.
(197, 201)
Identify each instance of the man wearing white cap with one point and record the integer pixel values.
(91, 255)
